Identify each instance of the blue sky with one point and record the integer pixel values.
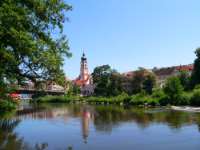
(128, 34)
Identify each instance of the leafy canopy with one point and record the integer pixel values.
(173, 89)
(28, 49)
(196, 70)
(107, 81)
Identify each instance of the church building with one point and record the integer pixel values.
(84, 80)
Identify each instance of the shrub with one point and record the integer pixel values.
(57, 99)
(195, 99)
(173, 90)
(158, 93)
(7, 105)
(197, 87)
(184, 99)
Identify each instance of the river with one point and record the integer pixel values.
(86, 127)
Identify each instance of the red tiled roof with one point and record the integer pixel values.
(79, 82)
(170, 70)
(185, 67)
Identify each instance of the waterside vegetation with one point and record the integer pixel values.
(182, 89)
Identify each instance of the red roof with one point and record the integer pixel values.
(79, 82)
(185, 67)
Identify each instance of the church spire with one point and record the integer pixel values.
(83, 58)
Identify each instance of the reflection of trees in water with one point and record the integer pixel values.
(9, 140)
(110, 117)
(104, 118)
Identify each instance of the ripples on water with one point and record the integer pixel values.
(84, 127)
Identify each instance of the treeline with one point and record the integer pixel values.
(108, 82)
(142, 87)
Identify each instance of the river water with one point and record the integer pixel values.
(86, 127)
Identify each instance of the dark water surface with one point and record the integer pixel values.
(85, 127)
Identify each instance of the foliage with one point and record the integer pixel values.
(195, 99)
(138, 79)
(27, 48)
(195, 79)
(142, 99)
(115, 86)
(7, 105)
(73, 89)
(173, 89)
(184, 78)
(120, 99)
(149, 83)
(107, 81)
(197, 87)
(57, 99)
(101, 80)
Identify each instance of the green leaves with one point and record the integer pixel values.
(173, 89)
(27, 48)
(196, 71)
(107, 81)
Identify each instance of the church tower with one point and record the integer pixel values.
(84, 80)
(84, 73)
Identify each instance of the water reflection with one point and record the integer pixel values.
(102, 119)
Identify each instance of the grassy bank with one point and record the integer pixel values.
(158, 98)
(58, 99)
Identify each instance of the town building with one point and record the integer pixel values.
(163, 73)
(84, 80)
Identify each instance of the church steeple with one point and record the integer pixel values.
(84, 68)
(83, 57)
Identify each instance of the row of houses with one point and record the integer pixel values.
(161, 73)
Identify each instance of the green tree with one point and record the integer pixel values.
(138, 80)
(107, 81)
(115, 86)
(173, 89)
(73, 89)
(28, 49)
(142, 80)
(184, 78)
(149, 83)
(101, 78)
(195, 79)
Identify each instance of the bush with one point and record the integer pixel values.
(57, 99)
(184, 99)
(173, 90)
(158, 93)
(7, 105)
(197, 87)
(141, 99)
(195, 99)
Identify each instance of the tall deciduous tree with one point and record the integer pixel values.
(28, 49)
(185, 78)
(149, 83)
(107, 81)
(173, 89)
(196, 70)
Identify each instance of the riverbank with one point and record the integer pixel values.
(120, 100)
(186, 108)
(156, 99)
